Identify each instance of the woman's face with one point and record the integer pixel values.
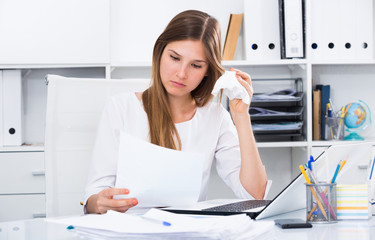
(183, 65)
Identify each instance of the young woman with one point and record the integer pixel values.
(177, 112)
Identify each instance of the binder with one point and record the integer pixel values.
(331, 33)
(234, 27)
(325, 95)
(261, 30)
(12, 108)
(325, 29)
(341, 29)
(364, 33)
(292, 29)
(317, 112)
(317, 45)
(1, 108)
(347, 41)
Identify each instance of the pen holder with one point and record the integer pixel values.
(321, 203)
(334, 128)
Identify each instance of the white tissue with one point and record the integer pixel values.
(232, 88)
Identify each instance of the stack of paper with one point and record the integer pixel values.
(352, 202)
(152, 225)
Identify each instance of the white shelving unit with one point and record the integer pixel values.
(69, 38)
(115, 28)
(339, 73)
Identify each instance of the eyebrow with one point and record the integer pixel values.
(196, 60)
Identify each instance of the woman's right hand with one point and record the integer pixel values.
(103, 201)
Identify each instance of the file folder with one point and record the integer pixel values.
(292, 28)
(12, 127)
(261, 30)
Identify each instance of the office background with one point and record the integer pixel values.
(114, 39)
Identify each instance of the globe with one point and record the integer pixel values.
(356, 119)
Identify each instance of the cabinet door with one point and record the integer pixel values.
(18, 207)
(355, 171)
(48, 32)
(22, 172)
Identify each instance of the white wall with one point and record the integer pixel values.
(54, 31)
(135, 25)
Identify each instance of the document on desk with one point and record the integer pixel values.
(158, 176)
(115, 225)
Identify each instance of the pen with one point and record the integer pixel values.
(325, 190)
(322, 194)
(329, 110)
(343, 112)
(309, 162)
(332, 107)
(158, 221)
(313, 192)
(372, 168)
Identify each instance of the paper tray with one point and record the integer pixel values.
(275, 128)
(279, 137)
(295, 101)
(285, 113)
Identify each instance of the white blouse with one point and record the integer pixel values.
(210, 131)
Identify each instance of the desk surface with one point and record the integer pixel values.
(38, 229)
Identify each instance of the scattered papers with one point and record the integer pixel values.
(118, 225)
(158, 176)
(231, 87)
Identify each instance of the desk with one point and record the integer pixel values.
(38, 229)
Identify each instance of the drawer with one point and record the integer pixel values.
(22, 172)
(23, 206)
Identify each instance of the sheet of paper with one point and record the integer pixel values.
(158, 176)
(149, 226)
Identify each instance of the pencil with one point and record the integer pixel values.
(313, 192)
(325, 190)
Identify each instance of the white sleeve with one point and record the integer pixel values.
(228, 158)
(103, 166)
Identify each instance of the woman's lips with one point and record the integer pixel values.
(177, 84)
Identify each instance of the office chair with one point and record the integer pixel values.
(74, 106)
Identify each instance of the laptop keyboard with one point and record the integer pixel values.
(239, 206)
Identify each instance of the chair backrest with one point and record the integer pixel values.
(74, 106)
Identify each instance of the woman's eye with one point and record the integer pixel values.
(196, 66)
(174, 58)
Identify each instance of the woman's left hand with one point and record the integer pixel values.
(237, 106)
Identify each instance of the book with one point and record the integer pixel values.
(325, 95)
(317, 111)
(234, 27)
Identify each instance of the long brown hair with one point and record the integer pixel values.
(192, 25)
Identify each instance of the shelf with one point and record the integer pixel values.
(265, 63)
(343, 62)
(329, 143)
(131, 64)
(23, 148)
(41, 66)
(225, 63)
(281, 144)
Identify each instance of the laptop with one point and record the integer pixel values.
(291, 198)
